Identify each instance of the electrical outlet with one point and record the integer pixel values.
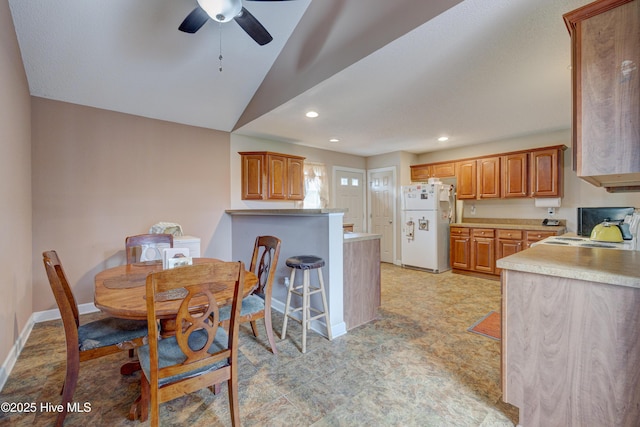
(473, 209)
(551, 211)
(286, 281)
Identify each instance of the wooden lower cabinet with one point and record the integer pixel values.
(508, 242)
(536, 236)
(483, 257)
(476, 250)
(460, 248)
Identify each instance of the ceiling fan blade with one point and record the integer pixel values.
(194, 21)
(253, 27)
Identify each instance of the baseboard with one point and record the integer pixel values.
(45, 316)
(15, 351)
(18, 345)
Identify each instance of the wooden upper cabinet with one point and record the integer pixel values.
(535, 172)
(443, 170)
(606, 83)
(488, 178)
(295, 178)
(546, 172)
(422, 173)
(253, 174)
(277, 177)
(466, 173)
(272, 176)
(515, 175)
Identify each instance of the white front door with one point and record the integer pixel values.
(382, 210)
(350, 194)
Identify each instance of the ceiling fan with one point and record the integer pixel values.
(224, 11)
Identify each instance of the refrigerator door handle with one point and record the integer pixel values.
(409, 234)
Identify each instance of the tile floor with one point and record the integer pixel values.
(416, 365)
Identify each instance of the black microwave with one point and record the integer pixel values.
(590, 217)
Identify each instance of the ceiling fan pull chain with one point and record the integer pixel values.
(220, 57)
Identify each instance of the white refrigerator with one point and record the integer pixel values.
(426, 214)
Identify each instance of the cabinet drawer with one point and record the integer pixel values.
(510, 234)
(483, 232)
(460, 231)
(534, 236)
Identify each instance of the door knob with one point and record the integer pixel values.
(390, 221)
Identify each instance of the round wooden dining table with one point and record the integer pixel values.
(120, 291)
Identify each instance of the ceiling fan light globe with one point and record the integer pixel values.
(221, 10)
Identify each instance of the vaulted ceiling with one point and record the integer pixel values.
(383, 75)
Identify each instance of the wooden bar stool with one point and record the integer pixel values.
(306, 263)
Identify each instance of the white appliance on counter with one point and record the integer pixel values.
(426, 214)
(153, 252)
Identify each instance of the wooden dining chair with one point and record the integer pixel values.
(141, 240)
(91, 340)
(201, 353)
(264, 261)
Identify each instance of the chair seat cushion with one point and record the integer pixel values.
(169, 354)
(250, 304)
(110, 331)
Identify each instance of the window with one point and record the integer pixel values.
(315, 186)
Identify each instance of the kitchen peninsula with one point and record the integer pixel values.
(317, 232)
(570, 345)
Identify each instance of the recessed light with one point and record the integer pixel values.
(443, 138)
(334, 140)
(312, 114)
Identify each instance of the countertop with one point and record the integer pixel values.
(510, 224)
(295, 212)
(357, 237)
(609, 266)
